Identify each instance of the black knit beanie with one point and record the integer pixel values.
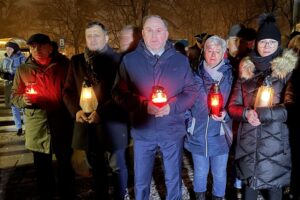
(13, 45)
(267, 28)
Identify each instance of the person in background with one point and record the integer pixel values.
(156, 65)
(195, 52)
(239, 41)
(234, 39)
(206, 140)
(263, 152)
(129, 38)
(292, 35)
(38, 89)
(250, 36)
(14, 58)
(293, 110)
(179, 46)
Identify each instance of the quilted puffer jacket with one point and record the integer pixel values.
(263, 152)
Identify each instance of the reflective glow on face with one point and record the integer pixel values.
(155, 34)
(267, 47)
(95, 38)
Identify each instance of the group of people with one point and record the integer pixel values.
(197, 107)
(12, 60)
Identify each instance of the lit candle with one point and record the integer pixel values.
(264, 96)
(88, 100)
(87, 94)
(159, 98)
(30, 89)
(215, 100)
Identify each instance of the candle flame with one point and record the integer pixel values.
(215, 101)
(265, 95)
(88, 100)
(159, 97)
(30, 91)
(87, 94)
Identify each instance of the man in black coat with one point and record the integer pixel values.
(105, 127)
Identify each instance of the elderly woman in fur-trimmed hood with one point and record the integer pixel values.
(263, 150)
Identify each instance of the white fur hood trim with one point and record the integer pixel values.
(281, 66)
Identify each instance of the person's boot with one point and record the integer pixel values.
(20, 132)
(200, 195)
(217, 198)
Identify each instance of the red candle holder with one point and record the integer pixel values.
(215, 100)
(159, 98)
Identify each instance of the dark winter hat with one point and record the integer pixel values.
(250, 34)
(268, 28)
(39, 38)
(236, 30)
(13, 45)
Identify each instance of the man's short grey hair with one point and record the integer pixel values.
(155, 16)
(216, 40)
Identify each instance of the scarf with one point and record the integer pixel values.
(263, 64)
(89, 55)
(91, 77)
(213, 72)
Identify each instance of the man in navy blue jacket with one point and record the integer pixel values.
(155, 62)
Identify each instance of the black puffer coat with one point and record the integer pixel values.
(263, 152)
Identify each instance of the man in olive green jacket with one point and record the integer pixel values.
(37, 87)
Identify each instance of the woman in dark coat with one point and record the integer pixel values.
(263, 150)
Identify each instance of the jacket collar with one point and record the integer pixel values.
(225, 67)
(169, 50)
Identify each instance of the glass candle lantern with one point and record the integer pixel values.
(264, 97)
(215, 100)
(88, 100)
(265, 94)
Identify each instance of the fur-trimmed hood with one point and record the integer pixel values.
(281, 66)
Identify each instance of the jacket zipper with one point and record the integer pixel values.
(206, 145)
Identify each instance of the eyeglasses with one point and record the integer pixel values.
(270, 43)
